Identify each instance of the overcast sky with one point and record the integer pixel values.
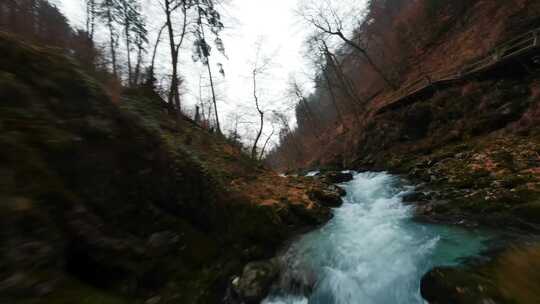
(247, 21)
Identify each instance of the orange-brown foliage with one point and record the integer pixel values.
(407, 40)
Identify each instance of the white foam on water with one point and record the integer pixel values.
(313, 173)
(371, 252)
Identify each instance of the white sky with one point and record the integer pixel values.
(246, 22)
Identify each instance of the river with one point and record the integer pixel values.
(371, 252)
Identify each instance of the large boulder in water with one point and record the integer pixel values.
(414, 197)
(256, 279)
(328, 197)
(338, 190)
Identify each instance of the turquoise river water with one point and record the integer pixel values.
(371, 252)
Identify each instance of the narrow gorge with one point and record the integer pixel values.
(379, 152)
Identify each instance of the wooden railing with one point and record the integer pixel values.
(513, 48)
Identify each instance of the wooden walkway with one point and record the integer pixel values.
(521, 45)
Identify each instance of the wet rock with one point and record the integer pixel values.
(445, 285)
(434, 288)
(315, 214)
(329, 197)
(335, 177)
(256, 279)
(337, 189)
(414, 197)
(421, 211)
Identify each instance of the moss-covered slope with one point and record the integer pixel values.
(105, 203)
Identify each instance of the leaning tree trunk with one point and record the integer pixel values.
(261, 116)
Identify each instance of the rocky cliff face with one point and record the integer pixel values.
(107, 203)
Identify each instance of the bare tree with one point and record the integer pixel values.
(140, 42)
(204, 103)
(169, 7)
(328, 23)
(108, 14)
(91, 13)
(151, 69)
(263, 150)
(208, 18)
(130, 17)
(260, 66)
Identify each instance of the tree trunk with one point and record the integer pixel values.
(213, 95)
(174, 95)
(137, 73)
(154, 53)
(261, 126)
(128, 47)
(266, 144)
(174, 98)
(112, 42)
(90, 18)
(261, 116)
(210, 76)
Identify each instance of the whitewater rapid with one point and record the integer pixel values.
(371, 252)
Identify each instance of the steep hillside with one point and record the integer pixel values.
(410, 41)
(471, 141)
(472, 138)
(122, 203)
